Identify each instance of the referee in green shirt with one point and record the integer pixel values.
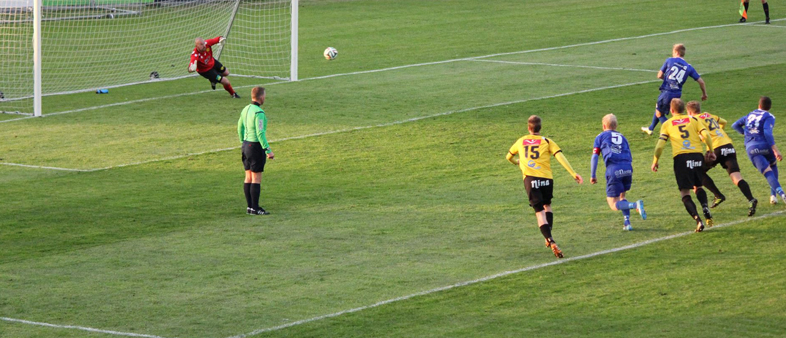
(251, 128)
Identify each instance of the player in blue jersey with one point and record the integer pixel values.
(760, 144)
(674, 73)
(614, 148)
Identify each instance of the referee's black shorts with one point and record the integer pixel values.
(214, 74)
(254, 157)
(689, 171)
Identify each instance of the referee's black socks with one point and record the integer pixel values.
(256, 189)
(247, 192)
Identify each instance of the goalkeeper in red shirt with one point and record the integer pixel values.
(202, 62)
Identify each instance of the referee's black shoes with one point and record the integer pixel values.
(259, 211)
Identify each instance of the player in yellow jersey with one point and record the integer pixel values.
(725, 155)
(534, 159)
(686, 135)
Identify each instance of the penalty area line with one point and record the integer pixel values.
(563, 65)
(81, 328)
(499, 275)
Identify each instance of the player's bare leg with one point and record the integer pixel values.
(545, 229)
(736, 178)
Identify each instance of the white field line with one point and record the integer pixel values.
(623, 39)
(498, 275)
(561, 65)
(44, 167)
(422, 293)
(347, 129)
(82, 328)
(415, 65)
(15, 112)
(774, 26)
(126, 102)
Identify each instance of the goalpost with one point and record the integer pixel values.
(55, 47)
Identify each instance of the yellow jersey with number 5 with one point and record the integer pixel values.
(713, 125)
(683, 131)
(535, 153)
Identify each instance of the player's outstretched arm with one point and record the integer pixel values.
(564, 162)
(739, 125)
(658, 151)
(722, 122)
(192, 66)
(705, 137)
(213, 41)
(703, 89)
(594, 167)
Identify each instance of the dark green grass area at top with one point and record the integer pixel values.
(378, 34)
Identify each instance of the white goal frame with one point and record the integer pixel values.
(37, 18)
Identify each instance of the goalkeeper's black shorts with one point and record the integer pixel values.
(214, 74)
(254, 157)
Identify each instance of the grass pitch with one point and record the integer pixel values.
(369, 215)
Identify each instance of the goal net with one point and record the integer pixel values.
(92, 44)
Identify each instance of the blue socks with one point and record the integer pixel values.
(772, 179)
(624, 206)
(655, 120)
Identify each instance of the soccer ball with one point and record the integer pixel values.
(330, 53)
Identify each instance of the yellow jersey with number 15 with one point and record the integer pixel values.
(535, 153)
(713, 125)
(683, 131)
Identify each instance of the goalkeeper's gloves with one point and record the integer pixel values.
(221, 39)
(192, 67)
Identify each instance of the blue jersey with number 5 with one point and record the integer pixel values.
(613, 147)
(675, 72)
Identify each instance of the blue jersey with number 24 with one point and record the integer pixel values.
(675, 72)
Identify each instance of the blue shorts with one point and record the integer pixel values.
(760, 155)
(618, 180)
(664, 101)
